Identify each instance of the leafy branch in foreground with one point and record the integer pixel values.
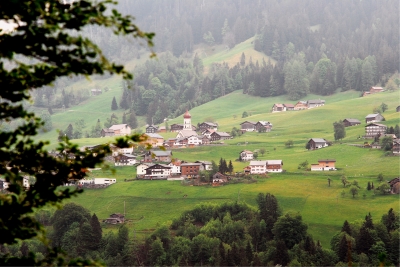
(44, 45)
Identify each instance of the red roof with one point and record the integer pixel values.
(187, 115)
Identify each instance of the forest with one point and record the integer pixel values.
(311, 46)
(229, 234)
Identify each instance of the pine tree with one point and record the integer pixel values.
(69, 132)
(230, 167)
(372, 185)
(96, 230)
(342, 252)
(114, 105)
(132, 121)
(242, 60)
(346, 228)
(369, 186)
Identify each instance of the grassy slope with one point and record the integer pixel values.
(322, 207)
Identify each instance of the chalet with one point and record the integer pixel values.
(207, 165)
(351, 122)
(246, 155)
(158, 171)
(375, 89)
(277, 108)
(181, 142)
(170, 142)
(207, 125)
(154, 139)
(398, 109)
(115, 218)
(95, 91)
(204, 139)
(315, 103)
(288, 107)
(258, 166)
(106, 132)
(125, 160)
(141, 169)
(374, 129)
(176, 127)
(247, 170)
(216, 136)
(316, 143)
(396, 147)
(190, 170)
(120, 150)
(162, 156)
(301, 105)
(175, 167)
(151, 129)
(274, 165)
(374, 118)
(121, 129)
(366, 93)
(207, 133)
(219, 178)
(324, 165)
(248, 126)
(263, 124)
(162, 129)
(186, 133)
(194, 140)
(395, 185)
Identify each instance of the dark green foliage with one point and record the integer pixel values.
(343, 248)
(290, 229)
(339, 130)
(230, 167)
(97, 231)
(369, 186)
(244, 114)
(69, 132)
(391, 220)
(114, 105)
(346, 228)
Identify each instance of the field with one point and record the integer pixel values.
(324, 209)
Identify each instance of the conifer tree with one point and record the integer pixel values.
(69, 132)
(114, 105)
(230, 167)
(346, 228)
(369, 186)
(132, 120)
(342, 252)
(96, 230)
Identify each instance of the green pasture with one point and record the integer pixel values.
(152, 203)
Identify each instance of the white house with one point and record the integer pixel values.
(258, 166)
(125, 160)
(194, 140)
(121, 129)
(207, 165)
(105, 181)
(185, 133)
(175, 168)
(141, 168)
(274, 165)
(158, 171)
(246, 155)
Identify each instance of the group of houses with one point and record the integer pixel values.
(188, 135)
(373, 90)
(300, 105)
(251, 126)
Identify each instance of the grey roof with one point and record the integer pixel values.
(252, 122)
(223, 134)
(258, 162)
(371, 115)
(376, 124)
(318, 140)
(275, 161)
(154, 135)
(161, 153)
(108, 130)
(210, 123)
(204, 162)
(187, 133)
(191, 164)
(353, 120)
(129, 155)
(316, 101)
(265, 123)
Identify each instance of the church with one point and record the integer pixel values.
(187, 130)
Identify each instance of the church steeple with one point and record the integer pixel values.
(187, 121)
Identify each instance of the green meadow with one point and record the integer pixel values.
(152, 203)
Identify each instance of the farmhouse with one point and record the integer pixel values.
(175, 167)
(301, 105)
(176, 127)
(219, 178)
(277, 108)
(125, 160)
(162, 156)
(274, 165)
(263, 124)
(324, 165)
(195, 140)
(107, 132)
(120, 150)
(158, 171)
(216, 136)
(375, 89)
(96, 91)
(258, 166)
(246, 155)
(316, 143)
(374, 118)
(248, 126)
(396, 147)
(207, 125)
(154, 139)
(207, 133)
(288, 107)
(315, 103)
(104, 181)
(141, 169)
(115, 218)
(207, 165)
(190, 170)
(151, 129)
(186, 133)
(374, 129)
(121, 129)
(351, 122)
(395, 185)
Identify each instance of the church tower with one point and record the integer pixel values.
(187, 121)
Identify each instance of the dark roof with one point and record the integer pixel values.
(332, 160)
(107, 130)
(352, 120)
(318, 140)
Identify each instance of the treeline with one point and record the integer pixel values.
(230, 234)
